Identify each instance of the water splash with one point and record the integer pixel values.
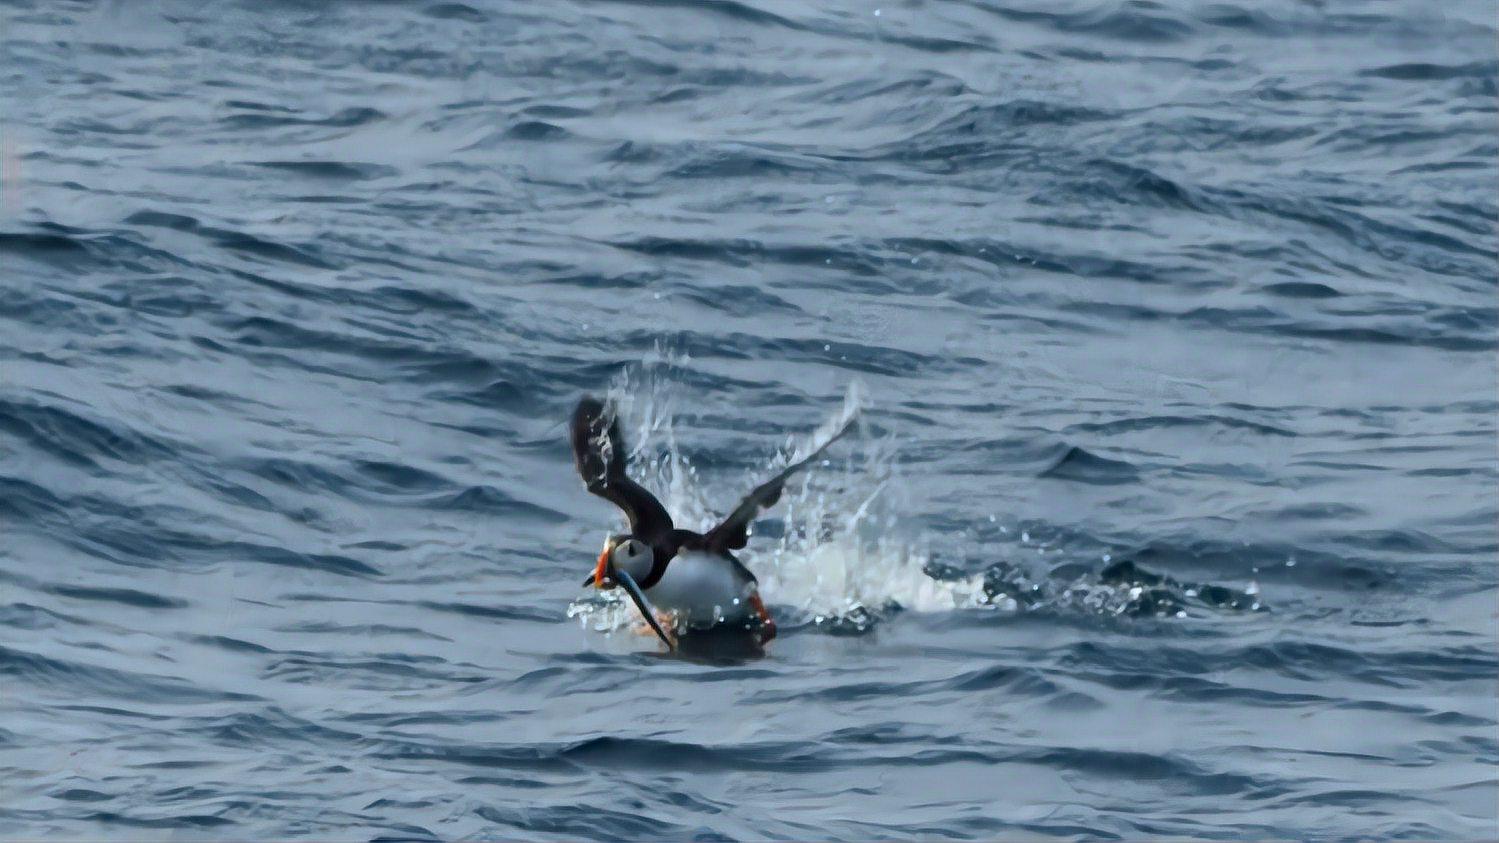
(644, 397)
(841, 555)
(834, 552)
(1124, 588)
(830, 552)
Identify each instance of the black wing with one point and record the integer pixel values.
(733, 532)
(601, 456)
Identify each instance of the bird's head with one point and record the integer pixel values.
(625, 553)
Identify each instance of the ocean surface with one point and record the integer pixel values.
(1171, 328)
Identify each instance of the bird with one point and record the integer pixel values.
(692, 576)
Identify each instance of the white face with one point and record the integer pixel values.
(633, 557)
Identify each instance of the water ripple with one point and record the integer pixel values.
(1170, 512)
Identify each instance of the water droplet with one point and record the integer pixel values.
(1291, 563)
(992, 519)
(1108, 556)
(826, 347)
(658, 296)
(1181, 613)
(1253, 589)
(876, 12)
(1025, 537)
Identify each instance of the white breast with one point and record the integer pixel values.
(705, 589)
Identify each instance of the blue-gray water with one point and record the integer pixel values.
(296, 298)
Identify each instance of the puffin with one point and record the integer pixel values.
(693, 576)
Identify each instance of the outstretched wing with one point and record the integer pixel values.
(601, 457)
(733, 532)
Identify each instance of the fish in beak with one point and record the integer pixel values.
(607, 575)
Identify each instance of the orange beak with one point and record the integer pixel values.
(598, 571)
